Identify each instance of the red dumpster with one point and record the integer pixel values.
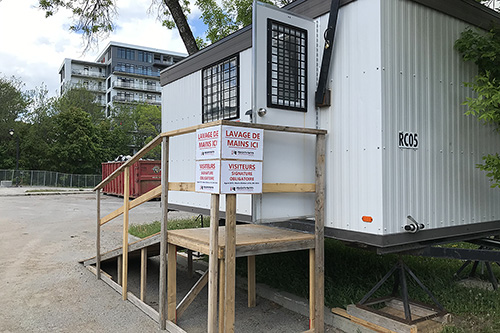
(144, 176)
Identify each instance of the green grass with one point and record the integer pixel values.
(148, 229)
(350, 273)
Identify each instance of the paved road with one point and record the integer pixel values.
(44, 289)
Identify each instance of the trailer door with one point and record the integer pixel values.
(283, 81)
(284, 67)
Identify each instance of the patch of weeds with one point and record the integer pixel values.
(148, 229)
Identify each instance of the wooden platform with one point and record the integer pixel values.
(251, 240)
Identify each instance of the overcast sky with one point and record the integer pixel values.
(33, 47)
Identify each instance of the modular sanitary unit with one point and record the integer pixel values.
(401, 155)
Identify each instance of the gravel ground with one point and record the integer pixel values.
(44, 288)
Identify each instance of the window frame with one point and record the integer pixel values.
(298, 77)
(220, 90)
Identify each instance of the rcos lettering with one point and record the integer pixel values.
(408, 140)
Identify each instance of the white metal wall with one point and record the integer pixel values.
(181, 107)
(422, 80)
(354, 140)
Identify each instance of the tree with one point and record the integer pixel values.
(483, 49)
(76, 143)
(84, 99)
(13, 104)
(94, 18)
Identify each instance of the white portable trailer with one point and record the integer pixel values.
(400, 151)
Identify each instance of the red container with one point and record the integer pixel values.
(144, 176)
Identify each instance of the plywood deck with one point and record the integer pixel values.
(251, 239)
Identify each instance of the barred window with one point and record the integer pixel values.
(286, 66)
(220, 88)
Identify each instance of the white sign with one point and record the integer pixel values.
(242, 143)
(242, 177)
(207, 176)
(408, 140)
(208, 143)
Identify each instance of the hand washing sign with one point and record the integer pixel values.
(229, 142)
(229, 160)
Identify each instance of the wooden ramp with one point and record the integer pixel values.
(151, 243)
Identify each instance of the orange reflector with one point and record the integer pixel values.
(367, 219)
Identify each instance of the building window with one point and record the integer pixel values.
(145, 56)
(221, 90)
(124, 53)
(286, 66)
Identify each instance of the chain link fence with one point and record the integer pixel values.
(49, 178)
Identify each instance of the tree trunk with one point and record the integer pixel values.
(182, 25)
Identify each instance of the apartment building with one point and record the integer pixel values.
(122, 74)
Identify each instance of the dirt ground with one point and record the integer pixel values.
(45, 289)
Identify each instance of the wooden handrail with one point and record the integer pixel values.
(157, 140)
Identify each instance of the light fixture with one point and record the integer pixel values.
(11, 132)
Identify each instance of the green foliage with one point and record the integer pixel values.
(229, 16)
(486, 104)
(76, 146)
(94, 19)
(350, 273)
(82, 98)
(492, 166)
(13, 105)
(148, 229)
(484, 50)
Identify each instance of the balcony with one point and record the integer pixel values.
(133, 86)
(86, 73)
(131, 70)
(124, 99)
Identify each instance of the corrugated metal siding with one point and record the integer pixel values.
(422, 80)
(354, 141)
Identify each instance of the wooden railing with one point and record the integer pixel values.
(162, 191)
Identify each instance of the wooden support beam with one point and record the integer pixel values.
(288, 188)
(212, 263)
(126, 202)
(191, 295)
(222, 283)
(172, 283)
(119, 267)
(190, 263)
(230, 258)
(252, 300)
(98, 235)
(312, 289)
(319, 233)
(162, 301)
(144, 270)
(152, 194)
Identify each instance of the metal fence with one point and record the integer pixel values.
(49, 178)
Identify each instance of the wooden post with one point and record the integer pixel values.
(163, 242)
(213, 261)
(172, 283)
(126, 207)
(312, 290)
(251, 281)
(319, 233)
(144, 269)
(190, 263)
(98, 237)
(119, 267)
(222, 283)
(230, 258)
